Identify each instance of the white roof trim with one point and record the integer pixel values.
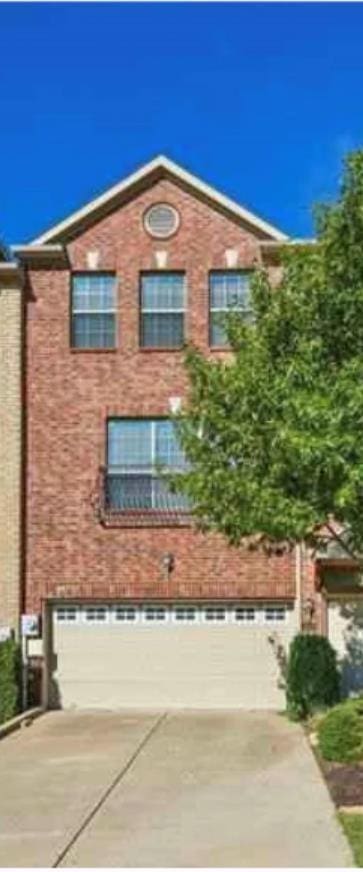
(174, 169)
(34, 248)
(10, 271)
(271, 243)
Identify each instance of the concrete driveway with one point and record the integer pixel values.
(164, 789)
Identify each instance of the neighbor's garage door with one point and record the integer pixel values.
(345, 629)
(160, 656)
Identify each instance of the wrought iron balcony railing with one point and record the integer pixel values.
(141, 498)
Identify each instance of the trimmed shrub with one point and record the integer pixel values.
(312, 676)
(340, 733)
(10, 677)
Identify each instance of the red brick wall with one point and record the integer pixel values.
(70, 394)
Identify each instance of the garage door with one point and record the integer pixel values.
(150, 655)
(345, 626)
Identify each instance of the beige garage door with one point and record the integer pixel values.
(345, 628)
(156, 656)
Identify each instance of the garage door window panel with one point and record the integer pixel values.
(185, 615)
(275, 614)
(245, 615)
(95, 615)
(215, 615)
(124, 615)
(67, 615)
(155, 614)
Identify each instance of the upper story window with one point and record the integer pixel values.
(139, 451)
(162, 310)
(228, 291)
(93, 310)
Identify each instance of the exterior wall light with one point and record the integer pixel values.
(168, 563)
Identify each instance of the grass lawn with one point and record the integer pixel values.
(353, 828)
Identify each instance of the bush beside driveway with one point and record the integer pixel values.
(339, 734)
(10, 679)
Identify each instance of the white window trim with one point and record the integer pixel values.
(228, 309)
(94, 311)
(163, 311)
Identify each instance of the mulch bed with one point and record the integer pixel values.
(345, 782)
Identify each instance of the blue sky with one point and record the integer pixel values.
(261, 100)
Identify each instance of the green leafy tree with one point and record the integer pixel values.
(275, 434)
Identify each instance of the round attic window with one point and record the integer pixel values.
(161, 220)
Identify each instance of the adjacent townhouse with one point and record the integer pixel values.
(137, 607)
(11, 421)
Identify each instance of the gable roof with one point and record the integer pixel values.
(158, 168)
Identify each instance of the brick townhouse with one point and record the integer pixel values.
(138, 608)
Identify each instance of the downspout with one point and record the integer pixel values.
(298, 584)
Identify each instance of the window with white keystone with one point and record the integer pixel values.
(162, 310)
(139, 453)
(228, 291)
(93, 310)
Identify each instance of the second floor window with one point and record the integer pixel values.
(162, 310)
(139, 452)
(228, 291)
(93, 311)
